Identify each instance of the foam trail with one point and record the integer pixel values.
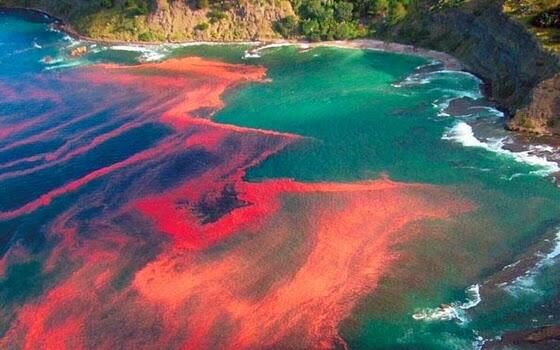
(424, 78)
(255, 52)
(526, 282)
(148, 54)
(463, 134)
(454, 311)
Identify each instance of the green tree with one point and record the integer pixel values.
(311, 29)
(312, 9)
(345, 30)
(343, 11)
(379, 7)
(397, 11)
(287, 26)
(147, 36)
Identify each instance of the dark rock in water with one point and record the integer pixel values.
(466, 106)
(542, 115)
(539, 338)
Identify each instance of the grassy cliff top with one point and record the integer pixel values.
(542, 17)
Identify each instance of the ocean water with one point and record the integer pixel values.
(94, 149)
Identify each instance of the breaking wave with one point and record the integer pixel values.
(526, 282)
(463, 134)
(451, 312)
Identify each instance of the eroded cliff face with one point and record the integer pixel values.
(542, 114)
(166, 20)
(496, 48)
(247, 20)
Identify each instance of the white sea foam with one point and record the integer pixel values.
(148, 54)
(52, 61)
(455, 311)
(255, 52)
(493, 111)
(206, 43)
(460, 72)
(451, 94)
(555, 251)
(525, 284)
(413, 80)
(442, 103)
(72, 42)
(251, 54)
(462, 133)
(67, 64)
(423, 78)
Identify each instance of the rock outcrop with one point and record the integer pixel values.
(521, 77)
(542, 115)
(79, 51)
(544, 338)
(166, 20)
(494, 47)
(247, 20)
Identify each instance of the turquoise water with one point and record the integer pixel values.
(361, 126)
(361, 119)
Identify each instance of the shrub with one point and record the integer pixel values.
(345, 30)
(201, 26)
(343, 11)
(136, 7)
(339, 19)
(379, 7)
(311, 29)
(287, 26)
(146, 36)
(216, 16)
(397, 12)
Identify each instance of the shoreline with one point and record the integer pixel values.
(448, 61)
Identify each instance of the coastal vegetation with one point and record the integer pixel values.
(471, 30)
(166, 20)
(159, 20)
(340, 19)
(542, 17)
(173, 20)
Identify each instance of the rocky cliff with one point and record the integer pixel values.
(246, 20)
(520, 75)
(542, 114)
(494, 47)
(165, 20)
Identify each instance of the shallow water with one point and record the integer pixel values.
(94, 157)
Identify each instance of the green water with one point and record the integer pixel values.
(359, 125)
